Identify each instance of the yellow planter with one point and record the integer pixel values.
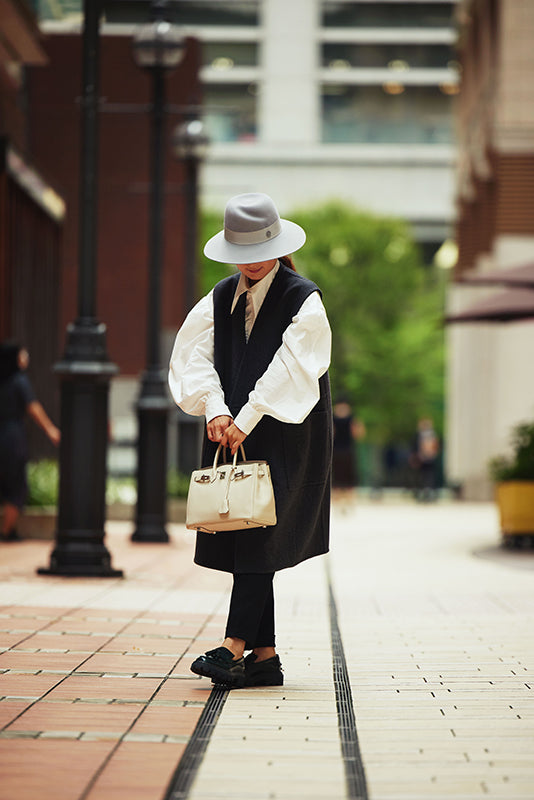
(515, 500)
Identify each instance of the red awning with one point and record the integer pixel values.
(515, 304)
(516, 276)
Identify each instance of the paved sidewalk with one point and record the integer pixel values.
(436, 621)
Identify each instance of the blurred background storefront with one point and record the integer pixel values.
(491, 380)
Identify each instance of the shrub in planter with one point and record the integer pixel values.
(520, 465)
(514, 477)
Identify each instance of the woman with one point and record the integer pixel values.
(252, 356)
(16, 400)
(347, 431)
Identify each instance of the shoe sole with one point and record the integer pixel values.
(219, 676)
(277, 680)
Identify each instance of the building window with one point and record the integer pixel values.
(386, 15)
(224, 56)
(388, 114)
(182, 12)
(230, 112)
(396, 56)
(216, 12)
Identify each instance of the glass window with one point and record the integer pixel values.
(180, 12)
(215, 12)
(57, 9)
(225, 55)
(387, 15)
(397, 56)
(190, 12)
(389, 114)
(230, 112)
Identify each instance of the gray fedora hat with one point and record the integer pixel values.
(253, 231)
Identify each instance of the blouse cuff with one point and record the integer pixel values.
(216, 407)
(247, 419)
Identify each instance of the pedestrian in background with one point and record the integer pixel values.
(17, 399)
(348, 430)
(252, 356)
(425, 459)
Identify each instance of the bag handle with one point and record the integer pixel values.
(234, 461)
(225, 506)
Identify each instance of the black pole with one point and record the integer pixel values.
(85, 370)
(191, 232)
(153, 403)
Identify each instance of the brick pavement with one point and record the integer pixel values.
(97, 697)
(98, 701)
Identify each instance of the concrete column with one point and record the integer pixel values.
(289, 98)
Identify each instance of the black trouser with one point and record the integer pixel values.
(251, 613)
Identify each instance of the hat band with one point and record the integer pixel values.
(253, 237)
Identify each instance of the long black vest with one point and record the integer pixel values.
(299, 455)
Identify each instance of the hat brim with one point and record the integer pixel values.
(290, 239)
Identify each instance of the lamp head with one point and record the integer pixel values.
(190, 140)
(158, 44)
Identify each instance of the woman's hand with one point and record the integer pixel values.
(39, 415)
(54, 434)
(216, 428)
(233, 437)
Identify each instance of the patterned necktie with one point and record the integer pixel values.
(249, 316)
(238, 320)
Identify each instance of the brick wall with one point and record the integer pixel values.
(54, 109)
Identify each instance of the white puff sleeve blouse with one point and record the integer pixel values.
(287, 390)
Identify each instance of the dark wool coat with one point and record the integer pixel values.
(299, 455)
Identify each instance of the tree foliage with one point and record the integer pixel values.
(385, 310)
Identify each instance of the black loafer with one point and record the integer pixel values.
(221, 667)
(263, 673)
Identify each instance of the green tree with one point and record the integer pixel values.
(385, 308)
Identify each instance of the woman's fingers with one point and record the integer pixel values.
(223, 430)
(233, 438)
(216, 428)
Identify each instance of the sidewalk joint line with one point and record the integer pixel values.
(186, 771)
(352, 759)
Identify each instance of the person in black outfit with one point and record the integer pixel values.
(347, 431)
(17, 399)
(425, 459)
(253, 357)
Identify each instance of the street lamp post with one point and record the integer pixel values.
(157, 48)
(85, 370)
(190, 144)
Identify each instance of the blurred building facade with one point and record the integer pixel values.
(310, 100)
(32, 214)
(491, 381)
(316, 99)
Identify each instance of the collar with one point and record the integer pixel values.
(258, 292)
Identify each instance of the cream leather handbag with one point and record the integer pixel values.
(229, 497)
